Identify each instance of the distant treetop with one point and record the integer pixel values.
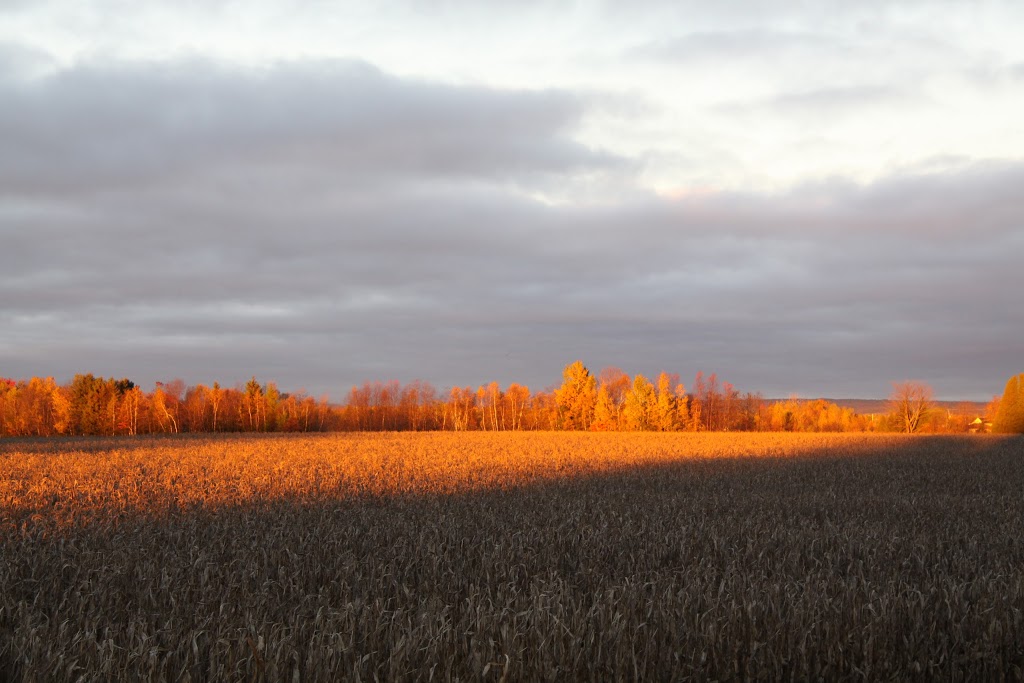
(1010, 415)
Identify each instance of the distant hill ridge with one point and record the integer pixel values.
(878, 406)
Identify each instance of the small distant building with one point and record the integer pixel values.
(980, 426)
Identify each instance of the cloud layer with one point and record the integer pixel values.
(813, 199)
(322, 222)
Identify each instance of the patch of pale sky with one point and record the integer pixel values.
(684, 138)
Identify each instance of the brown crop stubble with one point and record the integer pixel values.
(512, 557)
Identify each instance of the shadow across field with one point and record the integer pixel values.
(609, 557)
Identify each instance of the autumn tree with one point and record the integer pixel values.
(1009, 417)
(132, 401)
(88, 400)
(638, 411)
(542, 411)
(576, 397)
(959, 419)
(357, 409)
(605, 411)
(483, 407)
(231, 410)
(384, 404)
(271, 405)
(40, 407)
(751, 413)
(8, 406)
(417, 405)
(909, 403)
(326, 418)
(254, 404)
(164, 406)
(194, 408)
(459, 409)
(490, 404)
(729, 415)
(37, 407)
(617, 383)
(781, 416)
(215, 397)
(15, 416)
(517, 397)
(706, 410)
(992, 408)
(666, 411)
(32, 407)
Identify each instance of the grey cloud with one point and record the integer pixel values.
(19, 62)
(15, 5)
(109, 125)
(846, 46)
(714, 45)
(826, 103)
(772, 294)
(784, 13)
(233, 262)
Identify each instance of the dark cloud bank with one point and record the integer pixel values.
(321, 224)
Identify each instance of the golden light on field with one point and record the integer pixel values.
(74, 482)
(512, 556)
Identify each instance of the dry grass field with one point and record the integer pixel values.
(512, 556)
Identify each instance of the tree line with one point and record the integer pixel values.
(91, 405)
(608, 401)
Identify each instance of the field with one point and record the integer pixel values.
(512, 556)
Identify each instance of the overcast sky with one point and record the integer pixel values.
(806, 198)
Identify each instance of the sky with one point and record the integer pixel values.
(806, 198)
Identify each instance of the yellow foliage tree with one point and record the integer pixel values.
(576, 397)
(638, 412)
(604, 411)
(666, 411)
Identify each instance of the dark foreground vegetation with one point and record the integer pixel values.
(511, 556)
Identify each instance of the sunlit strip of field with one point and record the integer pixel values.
(525, 556)
(47, 482)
